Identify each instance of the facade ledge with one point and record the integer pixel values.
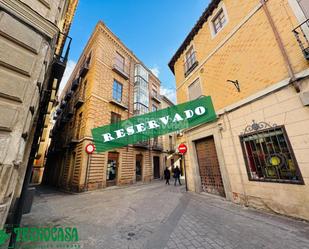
(29, 16)
(114, 102)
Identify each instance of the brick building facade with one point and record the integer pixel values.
(252, 58)
(108, 84)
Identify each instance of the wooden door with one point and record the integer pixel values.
(156, 167)
(209, 166)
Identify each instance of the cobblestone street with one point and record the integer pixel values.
(159, 216)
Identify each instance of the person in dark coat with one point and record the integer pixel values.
(177, 175)
(167, 176)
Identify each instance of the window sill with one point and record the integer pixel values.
(194, 65)
(115, 102)
(299, 182)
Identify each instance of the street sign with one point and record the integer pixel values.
(90, 148)
(182, 148)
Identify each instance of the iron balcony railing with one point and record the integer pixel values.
(61, 55)
(301, 33)
(156, 96)
(157, 144)
(190, 63)
(121, 68)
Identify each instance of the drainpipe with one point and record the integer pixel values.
(281, 46)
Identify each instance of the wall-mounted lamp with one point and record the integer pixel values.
(236, 84)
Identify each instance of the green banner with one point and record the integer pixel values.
(153, 124)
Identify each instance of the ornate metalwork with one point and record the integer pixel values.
(257, 126)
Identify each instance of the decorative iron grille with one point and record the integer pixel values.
(268, 154)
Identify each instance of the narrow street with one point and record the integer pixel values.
(159, 216)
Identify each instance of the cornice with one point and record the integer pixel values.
(30, 17)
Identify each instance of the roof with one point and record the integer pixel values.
(208, 11)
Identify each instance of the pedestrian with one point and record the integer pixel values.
(167, 176)
(177, 175)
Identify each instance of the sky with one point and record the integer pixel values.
(152, 29)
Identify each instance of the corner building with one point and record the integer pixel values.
(108, 84)
(251, 57)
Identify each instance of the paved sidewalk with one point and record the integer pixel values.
(165, 217)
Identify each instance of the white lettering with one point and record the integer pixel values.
(153, 124)
(130, 130)
(140, 127)
(120, 133)
(107, 137)
(164, 120)
(189, 113)
(200, 110)
(177, 118)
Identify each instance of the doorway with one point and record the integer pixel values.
(112, 169)
(209, 166)
(139, 167)
(156, 167)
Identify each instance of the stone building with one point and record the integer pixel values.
(108, 84)
(251, 57)
(33, 53)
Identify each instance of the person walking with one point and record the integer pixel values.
(167, 176)
(177, 175)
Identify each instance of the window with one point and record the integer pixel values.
(119, 61)
(219, 21)
(190, 62)
(154, 108)
(117, 91)
(269, 156)
(170, 140)
(195, 90)
(115, 117)
(154, 93)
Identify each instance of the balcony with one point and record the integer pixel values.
(120, 68)
(171, 149)
(80, 100)
(157, 144)
(142, 144)
(119, 104)
(190, 64)
(155, 96)
(301, 33)
(75, 84)
(84, 69)
(61, 56)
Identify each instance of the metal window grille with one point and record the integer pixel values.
(268, 155)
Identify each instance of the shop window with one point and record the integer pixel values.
(269, 155)
(117, 91)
